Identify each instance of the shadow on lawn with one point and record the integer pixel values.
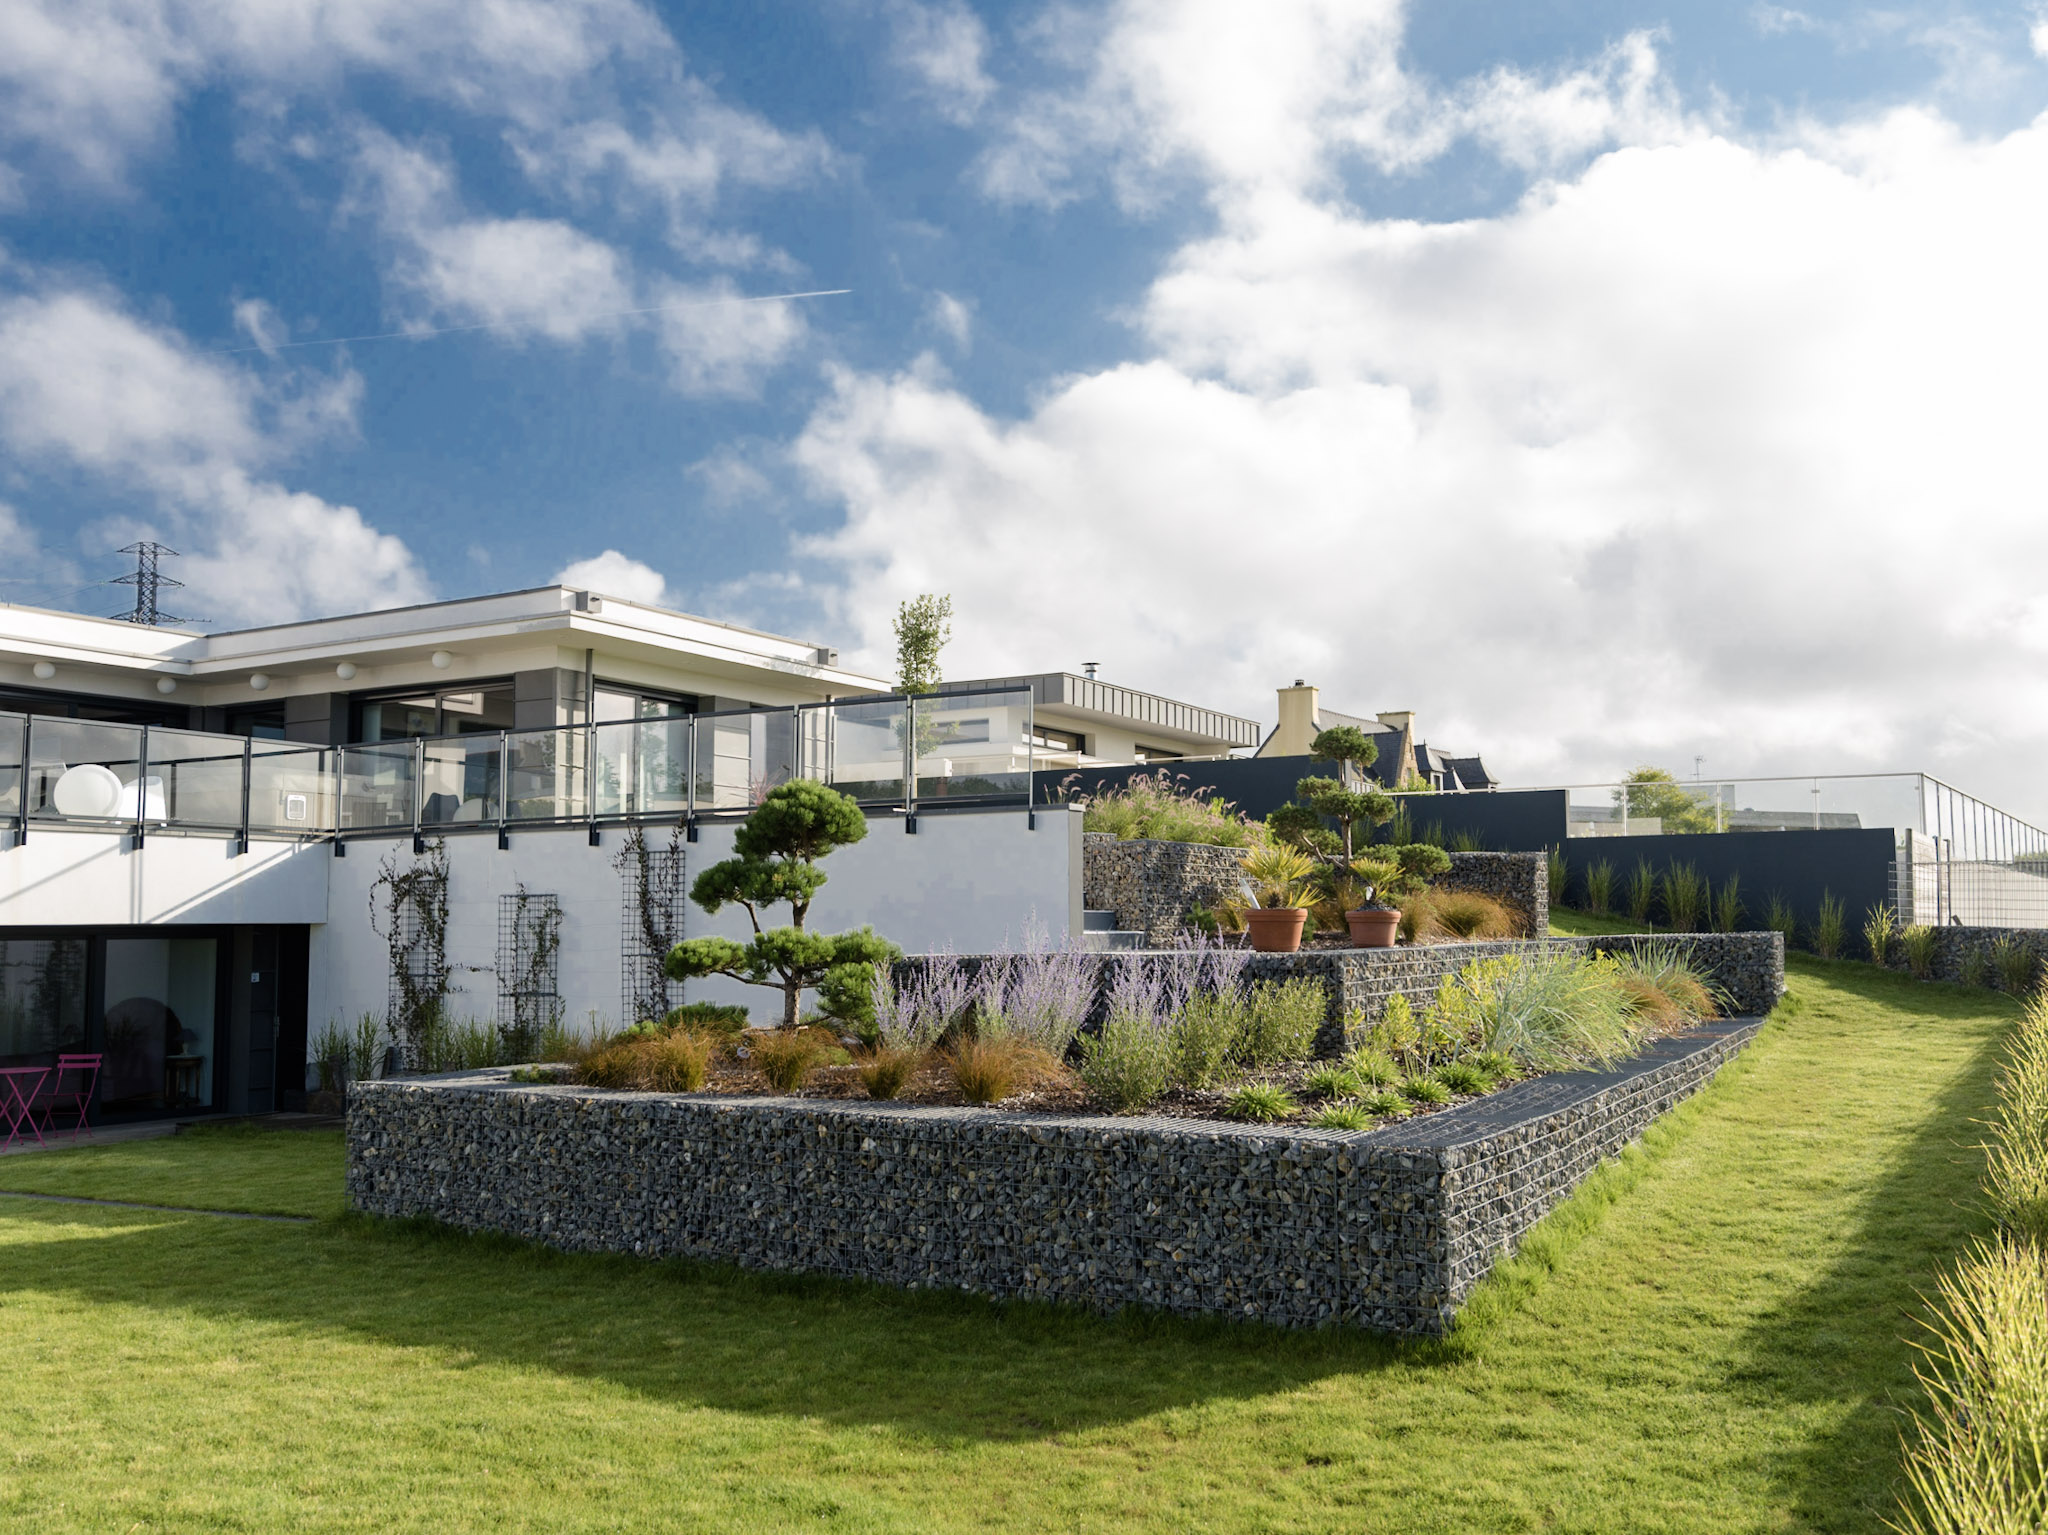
(948, 1366)
(1843, 1338)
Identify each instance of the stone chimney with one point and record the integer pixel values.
(1297, 728)
(1400, 762)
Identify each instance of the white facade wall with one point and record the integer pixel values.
(100, 879)
(966, 881)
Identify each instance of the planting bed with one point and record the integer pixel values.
(1388, 1229)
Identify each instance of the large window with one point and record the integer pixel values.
(159, 1024)
(618, 701)
(479, 706)
(42, 999)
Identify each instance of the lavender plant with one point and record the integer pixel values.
(1127, 1062)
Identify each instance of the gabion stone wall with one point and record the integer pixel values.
(1389, 1229)
(1519, 881)
(1953, 946)
(1152, 886)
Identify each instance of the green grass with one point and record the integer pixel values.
(1707, 1337)
(1583, 924)
(226, 1167)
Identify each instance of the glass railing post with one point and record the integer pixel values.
(141, 786)
(27, 759)
(590, 774)
(910, 762)
(1031, 766)
(248, 761)
(419, 782)
(504, 780)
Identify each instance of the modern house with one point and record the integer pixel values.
(198, 829)
(1403, 756)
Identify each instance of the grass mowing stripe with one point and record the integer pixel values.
(129, 1204)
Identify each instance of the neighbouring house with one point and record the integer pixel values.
(199, 827)
(1403, 755)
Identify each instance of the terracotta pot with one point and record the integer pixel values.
(1373, 929)
(1276, 929)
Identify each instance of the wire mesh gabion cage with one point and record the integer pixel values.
(652, 908)
(529, 970)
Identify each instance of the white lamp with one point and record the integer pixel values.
(345, 671)
(442, 660)
(259, 680)
(166, 685)
(45, 670)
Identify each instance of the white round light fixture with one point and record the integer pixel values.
(345, 671)
(166, 685)
(45, 670)
(442, 660)
(259, 680)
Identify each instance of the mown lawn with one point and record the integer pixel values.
(225, 1167)
(1707, 1337)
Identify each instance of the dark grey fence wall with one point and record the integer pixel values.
(1855, 866)
(1505, 821)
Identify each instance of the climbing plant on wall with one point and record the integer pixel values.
(529, 990)
(409, 911)
(651, 923)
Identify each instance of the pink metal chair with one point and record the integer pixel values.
(69, 1088)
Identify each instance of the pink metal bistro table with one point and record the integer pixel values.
(18, 1088)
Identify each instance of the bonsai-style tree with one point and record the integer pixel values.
(1299, 826)
(1335, 798)
(779, 848)
(1349, 747)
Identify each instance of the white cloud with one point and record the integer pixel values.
(613, 574)
(2038, 34)
(84, 384)
(953, 319)
(719, 343)
(942, 45)
(1713, 447)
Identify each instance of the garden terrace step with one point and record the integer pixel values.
(1098, 921)
(1096, 940)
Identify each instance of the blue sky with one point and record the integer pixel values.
(1591, 378)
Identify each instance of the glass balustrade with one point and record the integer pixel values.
(890, 751)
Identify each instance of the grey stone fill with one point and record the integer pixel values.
(1389, 1229)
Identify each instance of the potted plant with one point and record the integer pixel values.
(1383, 877)
(1278, 876)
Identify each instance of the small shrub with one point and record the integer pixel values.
(615, 1066)
(1464, 914)
(1728, 905)
(1282, 1020)
(1681, 993)
(1127, 1062)
(1599, 886)
(1425, 1090)
(1780, 918)
(1370, 1068)
(706, 1018)
(1396, 1035)
(531, 1074)
(1974, 969)
(1331, 1082)
(1260, 1103)
(1385, 1105)
(1343, 1116)
(1880, 926)
(785, 1057)
(1640, 892)
(1917, 944)
(1830, 927)
(885, 1070)
(1462, 1078)
(2014, 964)
(1206, 1034)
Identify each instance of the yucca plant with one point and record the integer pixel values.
(1728, 904)
(1830, 927)
(1686, 892)
(1279, 874)
(1917, 943)
(1880, 926)
(1640, 892)
(1599, 887)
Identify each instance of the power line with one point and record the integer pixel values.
(456, 330)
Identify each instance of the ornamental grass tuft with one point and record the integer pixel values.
(1425, 1090)
(1461, 1078)
(1917, 943)
(885, 1070)
(1342, 1116)
(1260, 1103)
(1328, 1082)
(1468, 915)
(784, 1057)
